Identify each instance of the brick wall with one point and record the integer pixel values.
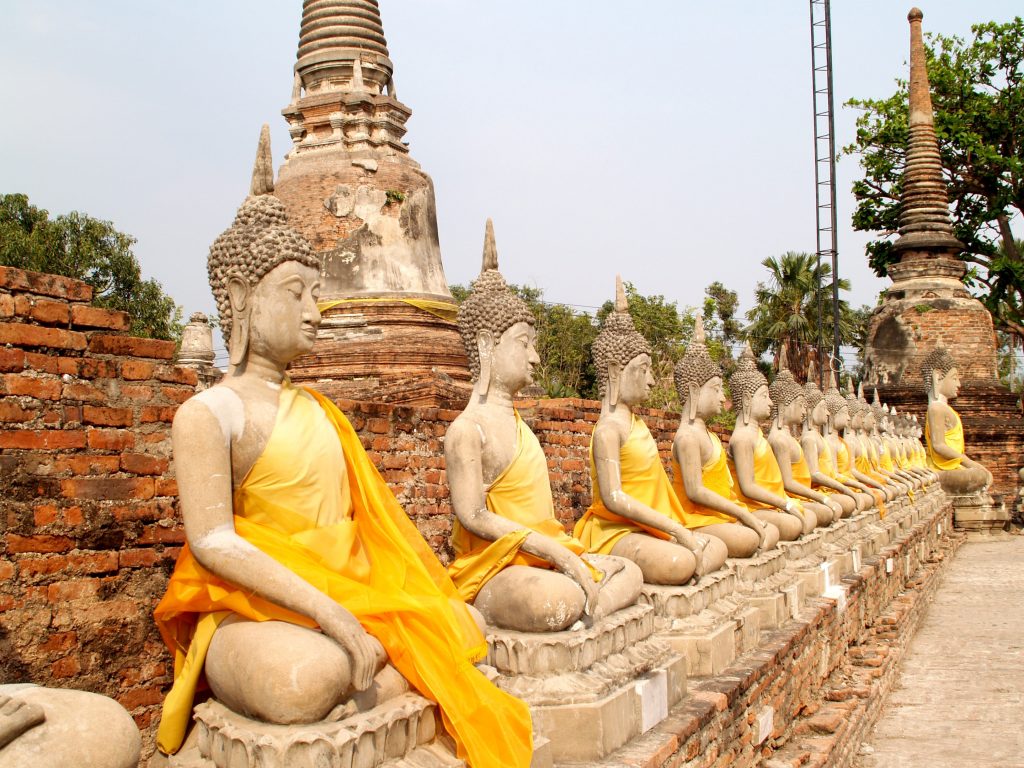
(89, 524)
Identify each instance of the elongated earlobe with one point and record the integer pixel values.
(692, 402)
(485, 351)
(614, 375)
(238, 344)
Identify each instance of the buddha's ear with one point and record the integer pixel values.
(239, 295)
(692, 400)
(485, 353)
(746, 406)
(614, 375)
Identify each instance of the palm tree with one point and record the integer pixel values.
(786, 309)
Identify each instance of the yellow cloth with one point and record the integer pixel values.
(442, 309)
(357, 546)
(643, 478)
(767, 475)
(885, 458)
(716, 478)
(954, 439)
(521, 493)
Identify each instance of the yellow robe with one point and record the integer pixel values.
(845, 465)
(521, 493)
(353, 542)
(644, 479)
(766, 474)
(716, 478)
(954, 439)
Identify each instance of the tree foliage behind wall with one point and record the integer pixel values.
(79, 246)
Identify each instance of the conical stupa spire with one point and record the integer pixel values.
(490, 260)
(334, 35)
(263, 169)
(924, 207)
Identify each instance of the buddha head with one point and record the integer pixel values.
(940, 374)
(866, 415)
(814, 400)
(622, 356)
(749, 389)
(788, 405)
(699, 378)
(264, 276)
(498, 329)
(879, 413)
(838, 408)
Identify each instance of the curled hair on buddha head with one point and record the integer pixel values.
(833, 398)
(785, 388)
(937, 361)
(812, 393)
(746, 379)
(877, 409)
(696, 367)
(257, 241)
(491, 305)
(618, 342)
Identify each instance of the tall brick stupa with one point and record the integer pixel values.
(351, 187)
(928, 306)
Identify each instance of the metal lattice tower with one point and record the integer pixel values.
(824, 163)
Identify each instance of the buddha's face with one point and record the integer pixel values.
(868, 420)
(949, 385)
(636, 380)
(514, 356)
(842, 418)
(283, 316)
(794, 412)
(761, 404)
(819, 414)
(710, 398)
(857, 421)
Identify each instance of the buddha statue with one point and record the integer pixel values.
(788, 409)
(752, 463)
(881, 466)
(820, 466)
(860, 457)
(701, 475)
(54, 728)
(513, 559)
(635, 513)
(944, 431)
(839, 419)
(888, 446)
(304, 591)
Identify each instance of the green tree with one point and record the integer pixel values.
(721, 322)
(978, 97)
(79, 246)
(786, 309)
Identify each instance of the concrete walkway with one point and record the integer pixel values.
(959, 701)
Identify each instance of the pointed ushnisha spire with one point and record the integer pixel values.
(490, 260)
(699, 336)
(924, 207)
(621, 303)
(877, 400)
(783, 359)
(263, 169)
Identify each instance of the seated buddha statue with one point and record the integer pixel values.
(862, 468)
(701, 475)
(513, 559)
(881, 464)
(303, 589)
(820, 466)
(53, 728)
(838, 420)
(636, 513)
(788, 409)
(944, 431)
(888, 446)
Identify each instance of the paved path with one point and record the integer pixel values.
(959, 701)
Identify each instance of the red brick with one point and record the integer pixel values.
(14, 413)
(38, 543)
(137, 370)
(59, 641)
(6, 570)
(6, 305)
(25, 335)
(31, 386)
(167, 487)
(92, 368)
(153, 413)
(111, 439)
(107, 417)
(177, 395)
(43, 440)
(142, 392)
(108, 488)
(84, 392)
(141, 697)
(42, 311)
(131, 346)
(138, 558)
(173, 374)
(88, 465)
(52, 364)
(97, 317)
(66, 667)
(160, 534)
(45, 284)
(142, 464)
(11, 359)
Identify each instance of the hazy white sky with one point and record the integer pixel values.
(667, 140)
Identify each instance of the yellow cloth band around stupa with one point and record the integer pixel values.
(442, 309)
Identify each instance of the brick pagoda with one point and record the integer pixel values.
(928, 305)
(352, 189)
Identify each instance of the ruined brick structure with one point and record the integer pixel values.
(928, 306)
(368, 209)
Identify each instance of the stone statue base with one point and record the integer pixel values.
(980, 513)
(768, 585)
(400, 733)
(591, 690)
(709, 624)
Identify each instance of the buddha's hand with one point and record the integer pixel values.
(577, 570)
(362, 649)
(762, 535)
(835, 506)
(685, 538)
